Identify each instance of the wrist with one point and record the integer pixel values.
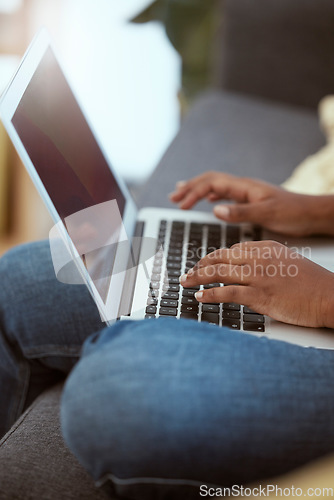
(321, 214)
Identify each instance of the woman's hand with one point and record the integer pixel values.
(269, 278)
(259, 203)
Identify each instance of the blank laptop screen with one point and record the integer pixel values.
(69, 162)
(61, 145)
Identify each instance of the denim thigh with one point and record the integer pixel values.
(159, 407)
(43, 324)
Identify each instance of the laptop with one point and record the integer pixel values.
(130, 261)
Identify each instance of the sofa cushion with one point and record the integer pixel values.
(34, 461)
(235, 134)
(279, 49)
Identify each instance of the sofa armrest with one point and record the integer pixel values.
(34, 461)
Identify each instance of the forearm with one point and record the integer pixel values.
(327, 306)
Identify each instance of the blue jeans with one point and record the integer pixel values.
(154, 409)
(43, 324)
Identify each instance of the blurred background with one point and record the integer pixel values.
(126, 74)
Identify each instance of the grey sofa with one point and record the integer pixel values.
(277, 62)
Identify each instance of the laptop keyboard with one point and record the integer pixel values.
(180, 246)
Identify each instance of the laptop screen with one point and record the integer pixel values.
(72, 168)
(61, 145)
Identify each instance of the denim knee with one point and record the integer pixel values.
(37, 312)
(135, 404)
(19, 267)
(117, 414)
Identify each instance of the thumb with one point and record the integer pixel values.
(242, 212)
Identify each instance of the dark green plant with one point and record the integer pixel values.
(190, 26)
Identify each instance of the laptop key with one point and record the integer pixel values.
(195, 242)
(232, 306)
(151, 310)
(171, 295)
(152, 301)
(155, 277)
(189, 316)
(175, 245)
(196, 228)
(211, 285)
(178, 223)
(173, 280)
(253, 318)
(213, 243)
(176, 237)
(155, 285)
(167, 311)
(248, 310)
(174, 258)
(232, 235)
(173, 272)
(214, 228)
(253, 327)
(210, 318)
(234, 324)
(189, 308)
(168, 303)
(257, 236)
(227, 313)
(192, 255)
(173, 287)
(178, 229)
(174, 265)
(214, 236)
(210, 308)
(174, 251)
(189, 301)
